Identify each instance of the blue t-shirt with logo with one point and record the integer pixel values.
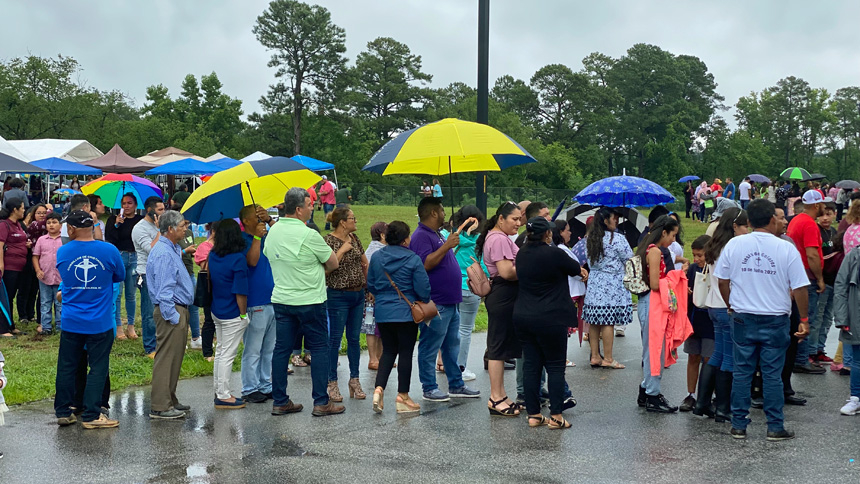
(261, 283)
(89, 271)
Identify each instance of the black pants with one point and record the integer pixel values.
(688, 204)
(72, 345)
(81, 385)
(10, 280)
(208, 331)
(397, 339)
(543, 348)
(28, 287)
(791, 353)
(839, 209)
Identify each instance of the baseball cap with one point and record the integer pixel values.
(811, 197)
(538, 225)
(324, 177)
(80, 219)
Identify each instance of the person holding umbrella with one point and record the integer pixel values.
(607, 303)
(118, 233)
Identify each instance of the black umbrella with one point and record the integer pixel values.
(815, 176)
(10, 164)
(849, 184)
(759, 178)
(632, 224)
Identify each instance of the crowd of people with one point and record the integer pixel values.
(752, 307)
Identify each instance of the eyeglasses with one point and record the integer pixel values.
(352, 218)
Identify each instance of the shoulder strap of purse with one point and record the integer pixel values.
(398, 290)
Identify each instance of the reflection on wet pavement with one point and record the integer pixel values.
(611, 440)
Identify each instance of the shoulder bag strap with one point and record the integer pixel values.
(398, 290)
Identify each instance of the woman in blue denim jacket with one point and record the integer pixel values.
(393, 314)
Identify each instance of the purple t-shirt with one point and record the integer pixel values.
(445, 281)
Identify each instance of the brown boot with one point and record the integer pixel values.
(290, 407)
(334, 392)
(355, 390)
(328, 409)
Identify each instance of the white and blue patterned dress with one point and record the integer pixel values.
(607, 302)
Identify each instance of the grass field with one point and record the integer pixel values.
(31, 362)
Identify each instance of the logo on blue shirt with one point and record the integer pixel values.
(83, 269)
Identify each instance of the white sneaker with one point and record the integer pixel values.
(197, 344)
(851, 407)
(619, 332)
(468, 375)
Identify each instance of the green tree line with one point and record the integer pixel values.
(649, 111)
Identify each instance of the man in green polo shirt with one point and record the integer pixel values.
(300, 259)
(343, 195)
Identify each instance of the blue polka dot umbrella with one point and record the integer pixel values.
(624, 191)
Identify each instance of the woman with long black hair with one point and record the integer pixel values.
(228, 272)
(13, 257)
(656, 263)
(541, 316)
(495, 247)
(716, 375)
(607, 303)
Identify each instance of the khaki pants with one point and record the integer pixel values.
(170, 341)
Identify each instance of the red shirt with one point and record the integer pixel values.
(313, 194)
(804, 231)
(716, 188)
(328, 198)
(15, 240)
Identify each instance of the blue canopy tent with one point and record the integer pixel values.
(314, 164)
(59, 166)
(185, 166)
(225, 163)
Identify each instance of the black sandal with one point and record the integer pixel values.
(564, 424)
(541, 421)
(511, 411)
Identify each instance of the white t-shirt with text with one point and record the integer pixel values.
(763, 270)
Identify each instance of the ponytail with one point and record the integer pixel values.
(503, 211)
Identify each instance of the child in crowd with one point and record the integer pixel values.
(700, 345)
(45, 263)
(832, 250)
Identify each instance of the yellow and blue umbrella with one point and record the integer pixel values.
(448, 146)
(263, 182)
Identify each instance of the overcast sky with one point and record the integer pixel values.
(747, 45)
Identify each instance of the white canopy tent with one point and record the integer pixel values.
(257, 155)
(68, 149)
(216, 156)
(7, 148)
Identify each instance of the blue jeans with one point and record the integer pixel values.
(194, 315)
(854, 351)
(468, 312)
(345, 312)
(744, 204)
(651, 384)
(147, 324)
(819, 326)
(129, 261)
(847, 357)
(327, 207)
(759, 340)
(310, 320)
(47, 299)
(443, 333)
(259, 343)
(723, 357)
(72, 348)
(803, 347)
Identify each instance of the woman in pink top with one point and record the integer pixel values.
(499, 253)
(201, 258)
(851, 238)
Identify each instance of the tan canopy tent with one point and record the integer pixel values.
(117, 161)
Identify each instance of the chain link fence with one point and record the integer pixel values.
(409, 196)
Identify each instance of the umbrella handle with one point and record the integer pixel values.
(252, 198)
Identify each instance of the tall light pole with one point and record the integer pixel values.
(483, 91)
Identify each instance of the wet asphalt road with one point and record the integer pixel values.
(612, 440)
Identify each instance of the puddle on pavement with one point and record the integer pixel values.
(196, 473)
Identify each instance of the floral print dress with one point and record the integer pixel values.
(607, 302)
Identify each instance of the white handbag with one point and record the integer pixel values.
(701, 287)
